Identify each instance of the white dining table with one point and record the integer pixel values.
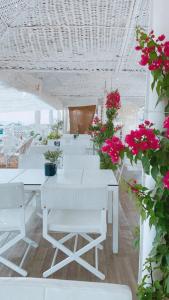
(33, 180)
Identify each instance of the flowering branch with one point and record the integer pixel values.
(155, 55)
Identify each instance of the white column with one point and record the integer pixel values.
(51, 117)
(160, 25)
(65, 115)
(37, 117)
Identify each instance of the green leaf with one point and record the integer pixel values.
(146, 164)
(155, 172)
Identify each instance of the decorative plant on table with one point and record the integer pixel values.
(52, 157)
(55, 134)
(155, 54)
(101, 132)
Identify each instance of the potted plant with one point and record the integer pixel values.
(52, 137)
(55, 134)
(51, 166)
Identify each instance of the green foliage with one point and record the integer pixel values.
(55, 133)
(160, 77)
(154, 205)
(101, 132)
(53, 156)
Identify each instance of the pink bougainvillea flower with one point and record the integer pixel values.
(156, 64)
(103, 128)
(166, 65)
(166, 123)
(166, 180)
(113, 100)
(167, 134)
(159, 48)
(113, 148)
(137, 48)
(166, 49)
(161, 38)
(144, 60)
(142, 139)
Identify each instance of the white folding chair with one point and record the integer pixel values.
(76, 211)
(13, 219)
(31, 161)
(91, 162)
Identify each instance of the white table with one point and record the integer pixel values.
(33, 179)
(7, 175)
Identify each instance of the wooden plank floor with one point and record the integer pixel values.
(121, 268)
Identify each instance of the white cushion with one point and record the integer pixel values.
(47, 289)
(10, 219)
(75, 221)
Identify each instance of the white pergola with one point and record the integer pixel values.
(69, 52)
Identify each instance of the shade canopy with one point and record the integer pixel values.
(70, 52)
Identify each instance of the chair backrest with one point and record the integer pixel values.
(41, 149)
(73, 149)
(12, 195)
(31, 161)
(75, 197)
(91, 162)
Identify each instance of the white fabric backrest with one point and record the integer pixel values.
(41, 149)
(28, 161)
(91, 162)
(74, 198)
(48, 289)
(73, 149)
(12, 195)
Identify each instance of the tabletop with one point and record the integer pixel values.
(6, 175)
(63, 177)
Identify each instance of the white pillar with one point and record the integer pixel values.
(51, 117)
(160, 25)
(37, 117)
(65, 116)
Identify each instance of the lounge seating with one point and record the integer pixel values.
(51, 289)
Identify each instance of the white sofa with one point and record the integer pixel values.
(51, 289)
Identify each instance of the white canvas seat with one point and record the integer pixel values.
(13, 218)
(52, 289)
(77, 211)
(91, 162)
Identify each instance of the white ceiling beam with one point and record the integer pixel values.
(135, 4)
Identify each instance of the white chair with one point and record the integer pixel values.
(73, 149)
(13, 217)
(76, 211)
(52, 289)
(31, 161)
(91, 162)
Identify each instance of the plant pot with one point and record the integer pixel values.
(50, 169)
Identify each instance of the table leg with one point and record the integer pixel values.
(110, 207)
(115, 229)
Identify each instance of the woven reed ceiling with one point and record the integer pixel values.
(67, 51)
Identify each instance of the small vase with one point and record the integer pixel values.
(50, 169)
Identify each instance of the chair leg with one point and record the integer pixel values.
(74, 257)
(89, 239)
(12, 266)
(30, 242)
